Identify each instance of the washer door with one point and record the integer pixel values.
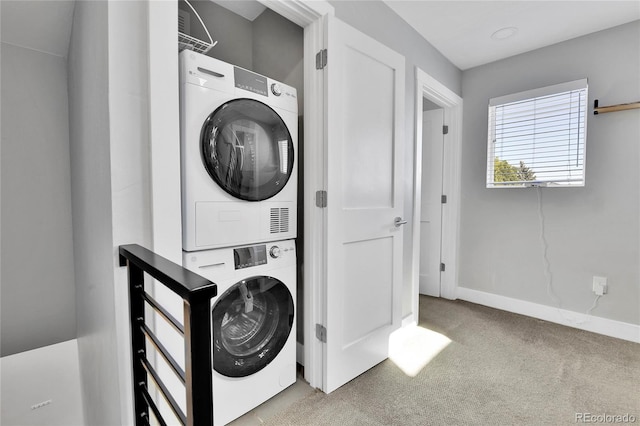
(251, 324)
(247, 149)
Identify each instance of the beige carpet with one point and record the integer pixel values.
(499, 369)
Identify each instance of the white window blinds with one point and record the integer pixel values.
(537, 137)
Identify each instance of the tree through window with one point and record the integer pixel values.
(538, 137)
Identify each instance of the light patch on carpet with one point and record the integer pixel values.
(412, 348)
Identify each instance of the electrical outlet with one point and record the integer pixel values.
(600, 285)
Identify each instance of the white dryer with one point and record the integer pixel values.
(239, 133)
(253, 323)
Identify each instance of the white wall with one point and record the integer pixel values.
(48, 378)
(38, 288)
(377, 20)
(108, 82)
(130, 159)
(590, 231)
(92, 212)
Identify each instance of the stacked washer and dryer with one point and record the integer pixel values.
(239, 199)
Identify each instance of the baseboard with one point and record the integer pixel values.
(607, 327)
(409, 320)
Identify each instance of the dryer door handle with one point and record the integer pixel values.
(213, 73)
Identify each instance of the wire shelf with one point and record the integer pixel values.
(185, 41)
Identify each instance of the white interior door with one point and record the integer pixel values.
(431, 209)
(364, 83)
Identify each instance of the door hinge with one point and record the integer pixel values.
(443, 199)
(321, 198)
(321, 59)
(442, 267)
(321, 333)
(445, 130)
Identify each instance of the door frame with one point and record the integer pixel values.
(309, 15)
(430, 88)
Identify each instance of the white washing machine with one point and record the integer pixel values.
(239, 133)
(253, 323)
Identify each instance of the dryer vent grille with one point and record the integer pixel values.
(279, 220)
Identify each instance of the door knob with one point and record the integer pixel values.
(398, 221)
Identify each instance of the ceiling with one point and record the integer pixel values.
(43, 25)
(247, 9)
(462, 30)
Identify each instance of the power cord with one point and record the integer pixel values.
(547, 267)
(595, 303)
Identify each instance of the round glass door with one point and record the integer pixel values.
(247, 149)
(251, 324)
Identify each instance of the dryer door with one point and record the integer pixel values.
(251, 324)
(247, 149)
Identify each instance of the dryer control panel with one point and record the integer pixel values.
(250, 81)
(209, 73)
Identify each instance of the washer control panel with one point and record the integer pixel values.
(246, 257)
(261, 254)
(255, 259)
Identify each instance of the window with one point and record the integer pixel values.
(537, 137)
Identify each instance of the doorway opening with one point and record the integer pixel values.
(433, 133)
(434, 96)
